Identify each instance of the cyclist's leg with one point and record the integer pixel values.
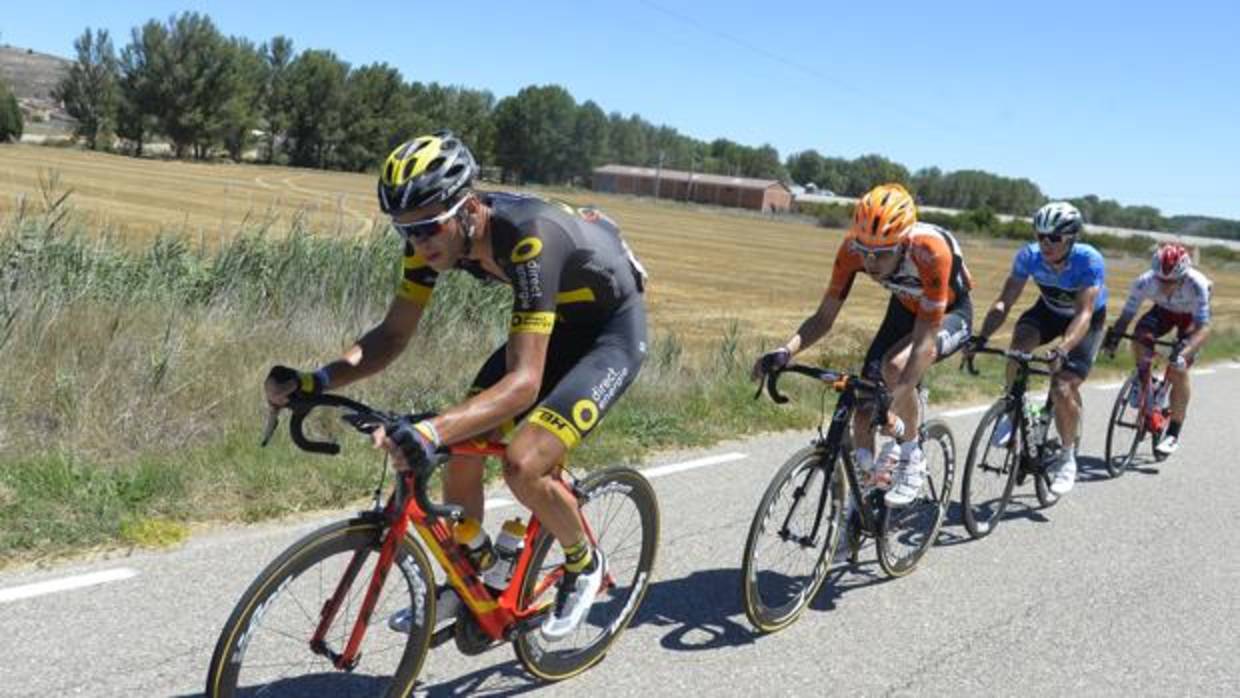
(896, 327)
(462, 478)
(1066, 384)
(1148, 328)
(1181, 390)
(571, 408)
(1033, 329)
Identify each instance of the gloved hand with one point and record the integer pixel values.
(282, 382)
(1110, 342)
(1177, 359)
(973, 344)
(771, 361)
(418, 444)
(1055, 358)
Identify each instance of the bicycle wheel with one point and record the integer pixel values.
(623, 513)
(990, 471)
(907, 532)
(785, 564)
(264, 648)
(1121, 448)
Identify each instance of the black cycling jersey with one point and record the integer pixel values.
(565, 264)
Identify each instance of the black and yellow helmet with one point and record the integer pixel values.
(424, 171)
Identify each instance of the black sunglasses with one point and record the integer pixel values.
(1052, 237)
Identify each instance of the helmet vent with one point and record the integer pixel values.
(435, 165)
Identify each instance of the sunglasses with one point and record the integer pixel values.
(1054, 238)
(429, 227)
(874, 254)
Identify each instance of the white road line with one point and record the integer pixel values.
(1202, 371)
(672, 468)
(965, 411)
(497, 503)
(52, 586)
(1108, 386)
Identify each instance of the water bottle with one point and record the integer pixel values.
(507, 548)
(475, 543)
(1038, 420)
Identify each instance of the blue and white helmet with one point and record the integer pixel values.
(1058, 218)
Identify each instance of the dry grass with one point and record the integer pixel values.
(710, 268)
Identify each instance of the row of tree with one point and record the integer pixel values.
(184, 82)
(11, 121)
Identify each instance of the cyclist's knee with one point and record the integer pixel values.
(532, 455)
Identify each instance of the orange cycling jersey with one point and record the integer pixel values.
(930, 278)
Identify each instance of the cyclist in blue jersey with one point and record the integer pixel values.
(1071, 307)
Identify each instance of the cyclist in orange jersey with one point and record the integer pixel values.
(928, 318)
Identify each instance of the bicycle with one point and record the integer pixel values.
(1150, 417)
(807, 533)
(301, 625)
(1029, 450)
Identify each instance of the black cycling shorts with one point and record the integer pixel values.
(898, 326)
(587, 370)
(1050, 325)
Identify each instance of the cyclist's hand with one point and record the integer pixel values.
(1110, 342)
(771, 361)
(412, 446)
(283, 381)
(1177, 358)
(973, 344)
(894, 426)
(1056, 357)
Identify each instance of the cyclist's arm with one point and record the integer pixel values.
(515, 393)
(1077, 329)
(1196, 339)
(1131, 306)
(1003, 305)
(1201, 320)
(922, 356)
(816, 326)
(379, 346)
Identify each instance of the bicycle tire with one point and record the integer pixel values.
(1117, 466)
(557, 661)
(1041, 481)
(982, 516)
(319, 677)
(818, 479)
(907, 532)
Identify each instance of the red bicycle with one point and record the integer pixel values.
(1142, 408)
(312, 622)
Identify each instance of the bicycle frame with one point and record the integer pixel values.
(499, 617)
(1016, 397)
(1147, 412)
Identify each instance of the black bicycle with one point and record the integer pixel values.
(797, 526)
(1012, 442)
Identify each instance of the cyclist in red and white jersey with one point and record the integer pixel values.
(1181, 298)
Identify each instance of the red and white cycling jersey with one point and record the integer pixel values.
(1189, 296)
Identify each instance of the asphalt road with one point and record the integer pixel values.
(1126, 587)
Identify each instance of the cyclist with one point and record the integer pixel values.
(1071, 307)
(928, 317)
(576, 341)
(1181, 297)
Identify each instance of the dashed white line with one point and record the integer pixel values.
(960, 412)
(672, 468)
(1108, 386)
(1202, 371)
(52, 586)
(497, 503)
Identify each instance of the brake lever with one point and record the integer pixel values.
(269, 429)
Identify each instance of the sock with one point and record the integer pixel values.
(577, 557)
(1174, 429)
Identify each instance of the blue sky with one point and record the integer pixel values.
(1134, 103)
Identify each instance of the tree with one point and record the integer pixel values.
(243, 83)
(199, 80)
(144, 65)
(589, 139)
(11, 122)
(89, 90)
(316, 93)
(274, 98)
(534, 129)
(374, 96)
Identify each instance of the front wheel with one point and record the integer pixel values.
(908, 532)
(1125, 431)
(792, 539)
(622, 514)
(266, 644)
(990, 469)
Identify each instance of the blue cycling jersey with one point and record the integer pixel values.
(1084, 269)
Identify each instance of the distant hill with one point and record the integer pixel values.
(32, 76)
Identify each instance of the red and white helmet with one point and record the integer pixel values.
(1171, 262)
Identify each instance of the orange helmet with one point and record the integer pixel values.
(883, 216)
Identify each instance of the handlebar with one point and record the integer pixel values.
(1022, 357)
(1157, 342)
(839, 380)
(366, 420)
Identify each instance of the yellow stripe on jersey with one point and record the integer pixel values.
(415, 261)
(414, 292)
(579, 295)
(556, 424)
(532, 323)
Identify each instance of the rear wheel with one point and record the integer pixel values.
(990, 470)
(792, 538)
(622, 513)
(1052, 448)
(909, 531)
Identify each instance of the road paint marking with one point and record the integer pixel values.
(497, 503)
(672, 468)
(1108, 386)
(965, 411)
(1203, 371)
(52, 586)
